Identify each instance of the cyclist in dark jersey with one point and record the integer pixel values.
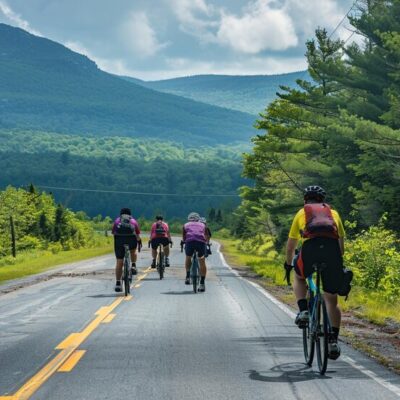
(126, 231)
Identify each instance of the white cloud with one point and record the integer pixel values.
(308, 15)
(16, 19)
(139, 37)
(261, 28)
(196, 17)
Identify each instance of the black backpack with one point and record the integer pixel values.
(160, 229)
(125, 227)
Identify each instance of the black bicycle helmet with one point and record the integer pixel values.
(159, 217)
(314, 192)
(125, 211)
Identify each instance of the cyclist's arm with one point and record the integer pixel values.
(114, 227)
(183, 234)
(341, 244)
(137, 231)
(290, 250)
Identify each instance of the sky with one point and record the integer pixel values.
(160, 39)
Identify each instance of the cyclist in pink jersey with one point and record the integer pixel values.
(160, 234)
(195, 237)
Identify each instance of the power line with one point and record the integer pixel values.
(336, 28)
(341, 21)
(136, 193)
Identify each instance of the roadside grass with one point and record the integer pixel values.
(370, 305)
(362, 303)
(36, 261)
(261, 265)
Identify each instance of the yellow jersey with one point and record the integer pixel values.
(299, 225)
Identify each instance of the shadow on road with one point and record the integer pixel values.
(179, 293)
(290, 372)
(101, 296)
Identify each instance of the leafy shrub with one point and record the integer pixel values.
(374, 258)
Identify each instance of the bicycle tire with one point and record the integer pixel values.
(161, 266)
(323, 336)
(127, 285)
(308, 334)
(195, 276)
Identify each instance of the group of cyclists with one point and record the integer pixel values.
(316, 235)
(195, 236)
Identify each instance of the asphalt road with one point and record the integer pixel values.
(71, 337)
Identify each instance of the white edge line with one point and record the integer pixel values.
(381, 381)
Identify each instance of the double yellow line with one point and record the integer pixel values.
(69, 356)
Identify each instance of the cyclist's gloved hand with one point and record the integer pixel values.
(171, 243)
(288, 268)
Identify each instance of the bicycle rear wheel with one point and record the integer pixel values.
(127, 285)
(323, 336)
(161, 265)
(308, 334)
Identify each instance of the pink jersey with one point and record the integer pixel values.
(194, 232)
(159, 226)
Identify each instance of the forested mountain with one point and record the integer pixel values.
(47, 87)
(250, 94)
(122, 164)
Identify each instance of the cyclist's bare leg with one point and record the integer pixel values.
(154, 253)
(133, 255)
(299, 287)
(166, 251)
(334, 312)
(203, 267)
(118, 269)
(188, 263)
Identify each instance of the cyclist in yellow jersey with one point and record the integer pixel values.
(325, 243)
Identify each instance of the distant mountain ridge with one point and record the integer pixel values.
(45, 86)
(247, 93)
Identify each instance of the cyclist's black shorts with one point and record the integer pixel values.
(191, 247)
(120, 241)
(322, 250)
(156, 241)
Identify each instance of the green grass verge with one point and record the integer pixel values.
(261, 265)
(33, 262)
(362, 303)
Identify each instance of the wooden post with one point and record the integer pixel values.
(12, 228)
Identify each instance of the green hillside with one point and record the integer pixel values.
(122, 164)
(250, 94)
(47, 87)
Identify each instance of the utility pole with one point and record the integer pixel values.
(12, 228)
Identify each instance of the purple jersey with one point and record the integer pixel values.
(194, 232)
(133, 223)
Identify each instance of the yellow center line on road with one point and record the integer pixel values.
(69, 356)
(72, 361)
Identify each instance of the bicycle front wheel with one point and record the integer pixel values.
(323, 336)
(308, 334)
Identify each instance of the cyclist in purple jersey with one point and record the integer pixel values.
(195, 236)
